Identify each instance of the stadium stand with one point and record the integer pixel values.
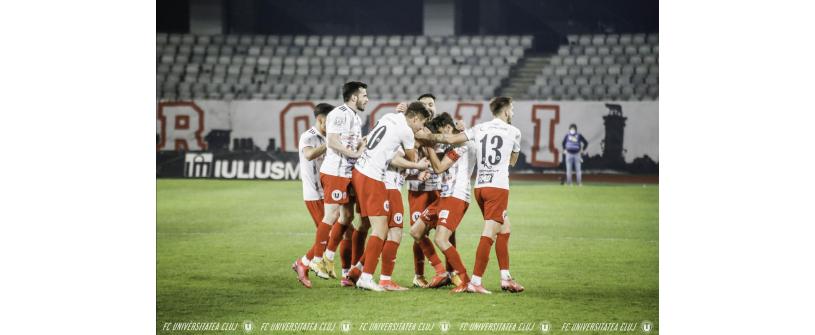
(595, 67)
(586, 67)
(315, 67)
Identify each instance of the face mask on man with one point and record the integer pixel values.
(572, 131)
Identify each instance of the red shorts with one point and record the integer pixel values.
(493, 203)
(450, 212)
(430, 214)
(372, 197)
(335, 189)
(397, 209)
(418, 201)
(316, 209)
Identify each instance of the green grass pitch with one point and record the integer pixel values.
(584, 254)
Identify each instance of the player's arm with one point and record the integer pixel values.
(312, 153)
(513, 159)
(400, 161)
(426, 135)
(333, 142)
(516, 148)
(439, 166)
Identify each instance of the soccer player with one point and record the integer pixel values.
(446, 213)
(391, 132)
(423, 191)
(497, 145)
(345, 145)
(312, 150)
(394, 179)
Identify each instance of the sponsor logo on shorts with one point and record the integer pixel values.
(397, 218)
(444, 214)
(336, 195)
(415, 216)
(504, 215)
(387, 205)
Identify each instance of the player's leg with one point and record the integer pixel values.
(502, 253)
(373, 249)
(301, 265)
(358, 248)
(482, 255)
(389, 260)
(345, 255)
(416, 205)
(492, 202)
(337, 234)
(442, 239)
(419, 232)
(394, 238)
(568, 168)
(335, 194)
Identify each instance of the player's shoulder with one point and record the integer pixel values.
(341, 109)
(514, 129)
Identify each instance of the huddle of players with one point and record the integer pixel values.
(339, 168)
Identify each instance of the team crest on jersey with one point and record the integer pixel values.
(387, 205)
(415, 216)
(336, 195)
(397, 218)
(339, 121)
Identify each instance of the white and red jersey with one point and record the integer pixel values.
(433, 183)
(310, 169)
(344, 121)
(494, 141)
(389, 134)
(455, 182)
(394, 177)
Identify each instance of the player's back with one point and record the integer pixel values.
(346, 122)
(389, 133)
(495, 141)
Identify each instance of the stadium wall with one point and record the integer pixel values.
(631, 126)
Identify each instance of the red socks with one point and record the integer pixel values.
(502, 251)
(389, 257)
(455, 260)
(372, 252)
(418, 259)
(322, 239)
(447, 264)
(345, 251)
(336, 236)
(482, 256)
(357, 246)
(430, 252)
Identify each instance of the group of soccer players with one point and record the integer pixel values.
(344, 172)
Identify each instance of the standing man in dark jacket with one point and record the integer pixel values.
(573, 145)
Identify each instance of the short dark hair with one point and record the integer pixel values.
(438, 122)
(573, 126)
(417, 108)
(322, 109)
(498, 104)
(427, 95)
(350, 88)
